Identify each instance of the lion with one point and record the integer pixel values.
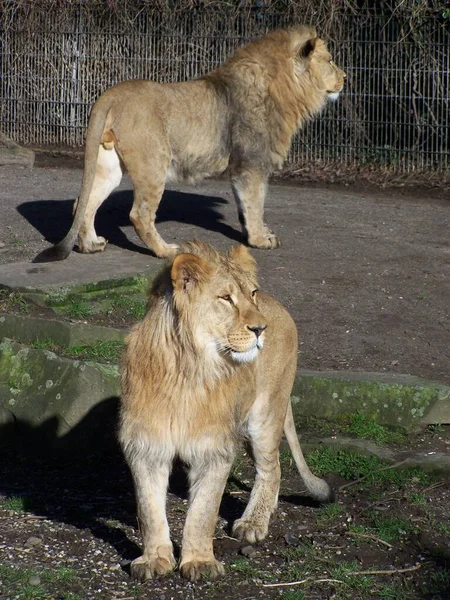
(238, 119)
(212, 363)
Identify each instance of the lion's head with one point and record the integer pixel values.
(215, 299)
(279, 81)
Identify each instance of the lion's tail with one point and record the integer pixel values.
(318, 488)
(97, 122)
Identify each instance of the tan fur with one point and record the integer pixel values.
(212, 363)
(239, 118)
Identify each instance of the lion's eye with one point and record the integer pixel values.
(254, 293)
(227, 298)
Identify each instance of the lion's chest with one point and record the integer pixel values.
(191, 422)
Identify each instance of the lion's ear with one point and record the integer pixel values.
(188, 271)
(307, 49)
(242, 257)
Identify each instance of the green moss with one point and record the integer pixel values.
(110, 350)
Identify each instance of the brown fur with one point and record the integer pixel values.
(212, 362)
(239, 118)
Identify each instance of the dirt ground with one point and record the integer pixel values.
(69, 531)
(364, 271)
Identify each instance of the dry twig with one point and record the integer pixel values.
(436, 485)
(302, 582)
(376, 572)
(368, 536)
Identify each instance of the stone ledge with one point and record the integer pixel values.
(394, 400)
(61, 399)
(28, 330)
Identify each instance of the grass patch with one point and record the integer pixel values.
(417, 499)
(246, 567)
(443, 528)
(329, 513)
(365, 428)
(53, 583)
(109, 351)
(385, 528)
(15, 503)
(356, 425)
(13, 301)
(132, 307)
(77, 310)
(351, 465)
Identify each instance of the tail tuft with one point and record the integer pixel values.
(320, 490)
(52, 254)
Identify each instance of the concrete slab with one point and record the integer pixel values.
(77, 269)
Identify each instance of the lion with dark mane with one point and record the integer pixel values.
(239, 118)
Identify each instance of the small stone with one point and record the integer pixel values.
(248, 551)
(33, 541)
(2, 244)
(291, 540)
(34, 580)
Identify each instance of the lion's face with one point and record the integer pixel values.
(324, 69)
(217, 301)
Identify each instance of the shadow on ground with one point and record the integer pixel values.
(52, 218)
(81, 478)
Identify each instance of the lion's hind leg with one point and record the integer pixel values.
(151, 477)
(149, 182)
(108, 174)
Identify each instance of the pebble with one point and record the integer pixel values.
(248, 551)
(291, 540)
(2, 244)
(34, 580)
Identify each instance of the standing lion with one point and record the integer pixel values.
(212, 363)
(239, 118)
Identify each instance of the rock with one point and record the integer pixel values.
(291, 539)
(248, 551)
(34, 580)
(33, 541)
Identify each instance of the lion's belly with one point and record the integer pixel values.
(191, 169)
(165, 438)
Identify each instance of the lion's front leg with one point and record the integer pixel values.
(207, 482)
(151, 480)
(250, 189)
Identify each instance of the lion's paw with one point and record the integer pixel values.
(196, 569)
(249, 530)
(144, 569)
(93, 246)
(268, 240)
(166, 251)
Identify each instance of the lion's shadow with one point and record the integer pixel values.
(82, 479)
(53, 218)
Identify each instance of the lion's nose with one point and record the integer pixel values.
(258, 329)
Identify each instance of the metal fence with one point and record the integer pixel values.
(394, 112)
